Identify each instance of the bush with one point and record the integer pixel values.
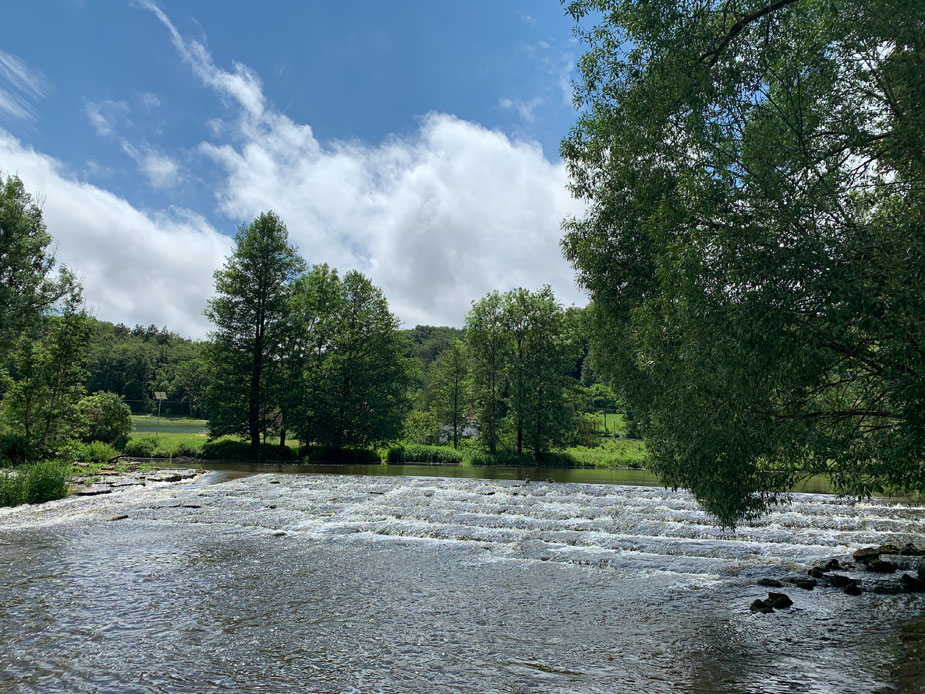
(413, 453)
(11, 487)
(142, 447)
(13, 448)
(105, 417)
(46, 480)
(557, 459)
(508, 458)
(94, 452)
(185, 449)
(321, 454)
(230, 449)
(621, 453)
(34, 484)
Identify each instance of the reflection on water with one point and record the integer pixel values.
(331, 583)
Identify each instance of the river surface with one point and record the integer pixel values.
(344, 583)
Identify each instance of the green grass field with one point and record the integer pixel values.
(173, 433)
(147, 424)
(613, 423)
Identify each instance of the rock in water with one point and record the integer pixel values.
(832, 565)
(911, 550)
(770, 583)
(779, 601)
(867, 554)
(881, 566)
(911, 584)
(840, 581)
(805, 583)
(761, 606)
(852, 589)
(120, 516)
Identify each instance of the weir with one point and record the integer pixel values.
(349, 583)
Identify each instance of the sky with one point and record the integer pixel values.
(414, 141)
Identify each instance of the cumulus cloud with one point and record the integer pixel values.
(20, 84)
(437, 218)
(135, 267)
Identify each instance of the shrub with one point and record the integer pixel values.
(557, 459)
(35, 483)
(94, 452)
(45, 481)
(13, 448)
(508, 458)
(230, 449)
(413, 453)
(142, 447)
(185, 449)
(105, 417)
(11, 487)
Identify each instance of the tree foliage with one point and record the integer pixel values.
(448, 378)
(250, 313)
(40, 402)
(28, 284)
(105, 417)
(754, 243)
(352, 375)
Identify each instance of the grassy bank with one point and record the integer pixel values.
(188, 438)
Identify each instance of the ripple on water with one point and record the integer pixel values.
(429, 584)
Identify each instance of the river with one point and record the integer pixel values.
(350, 583)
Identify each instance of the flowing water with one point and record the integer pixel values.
(344, 583)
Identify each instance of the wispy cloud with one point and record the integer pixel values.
(525, 109)
(159, 168)
(20, 85)
(105, 116)
(243, 85)
(108, 118)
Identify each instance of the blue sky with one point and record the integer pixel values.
(415, 141)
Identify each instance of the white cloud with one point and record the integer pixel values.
(161, 171)
(525, 109)
(105, 116)
(437, 219)
(135, 267)
(20, 83)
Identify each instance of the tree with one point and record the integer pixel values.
(755, 238)
(105, 417)
(543, 351)
(40, 403)
(250, 316)
(488, 344)
(448, 385)
(28, 285)
(354, 376)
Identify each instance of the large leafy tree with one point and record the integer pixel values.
(448, 381)
(488, 343)
(29, 285)
(755, 237)
(250, 312)
(40, 403)
(353, 376)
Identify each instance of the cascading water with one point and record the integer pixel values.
(346, 583)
